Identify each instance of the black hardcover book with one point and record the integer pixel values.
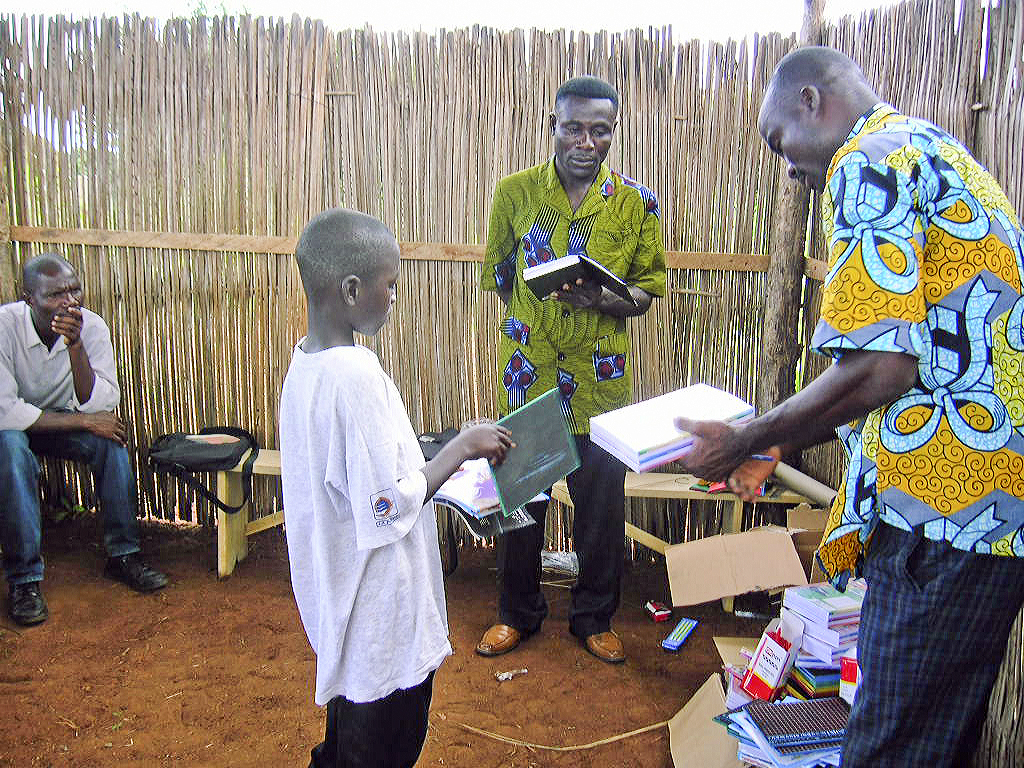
(543, 279)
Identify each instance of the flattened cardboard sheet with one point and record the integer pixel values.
(729, 648)
(695, 739)
(732, 564)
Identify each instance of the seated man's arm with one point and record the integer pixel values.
(69, 325)
(15, 413)
(104, 424)
(92, 365)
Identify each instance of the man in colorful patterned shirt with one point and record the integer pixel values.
(922, 311)
(575, 340)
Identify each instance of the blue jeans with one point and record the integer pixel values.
(20, 525)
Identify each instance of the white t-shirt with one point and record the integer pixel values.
(362, 547)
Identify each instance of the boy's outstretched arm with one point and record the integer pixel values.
(484, 441)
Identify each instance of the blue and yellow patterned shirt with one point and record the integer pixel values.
(925, 259)
(546, 344)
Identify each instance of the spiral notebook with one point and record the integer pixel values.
(800, 722)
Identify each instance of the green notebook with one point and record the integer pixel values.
(545, 451)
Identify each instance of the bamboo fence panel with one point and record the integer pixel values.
(115, 124)
(249, 125)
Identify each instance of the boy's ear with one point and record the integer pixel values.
(350, 285)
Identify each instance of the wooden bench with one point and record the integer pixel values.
(232, 530)
(662, 485)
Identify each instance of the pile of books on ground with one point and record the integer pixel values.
(789, 733)
(830, 621)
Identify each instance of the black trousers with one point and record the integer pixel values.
(598, 534)
(386, 733)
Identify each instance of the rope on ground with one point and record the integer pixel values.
(520, 743)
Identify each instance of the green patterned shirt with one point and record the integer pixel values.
(545, 344)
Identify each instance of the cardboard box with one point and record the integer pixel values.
(849, 676)
(774, 657)
(731, 564)
(808, 526)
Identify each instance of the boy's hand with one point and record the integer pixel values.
(486, 441)
(748, 477)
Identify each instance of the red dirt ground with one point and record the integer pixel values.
(219, 673)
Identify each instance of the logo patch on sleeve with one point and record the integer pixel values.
(383, 507)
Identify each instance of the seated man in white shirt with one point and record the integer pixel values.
(58, 391)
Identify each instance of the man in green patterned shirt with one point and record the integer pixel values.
(575, 340)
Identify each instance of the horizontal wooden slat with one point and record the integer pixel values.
(447, 252)
(816, 269)
(174, 240)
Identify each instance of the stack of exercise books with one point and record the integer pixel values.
(808, 683)
(790, 733)
(643, 435)
(831, 622)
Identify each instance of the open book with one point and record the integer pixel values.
(472, 493)
(643, 435)
(490, 499)
(550, 276)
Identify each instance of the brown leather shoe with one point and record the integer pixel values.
(499, 639)
(606, 646)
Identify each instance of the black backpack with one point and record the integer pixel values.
(182, 454)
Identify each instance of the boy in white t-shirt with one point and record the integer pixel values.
(362, 537)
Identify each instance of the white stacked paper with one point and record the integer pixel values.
(643, 436)
(831, 620)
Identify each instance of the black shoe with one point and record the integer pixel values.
(130, 570)
(26, 605)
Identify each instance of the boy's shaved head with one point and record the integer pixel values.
(340, 242)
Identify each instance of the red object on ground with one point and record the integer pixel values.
(658, 611)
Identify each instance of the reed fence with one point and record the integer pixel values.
(175, 162)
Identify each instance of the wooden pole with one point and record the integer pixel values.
(7, 270)
(787, 246)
